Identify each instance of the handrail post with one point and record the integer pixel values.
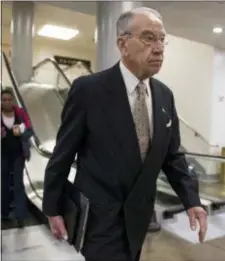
(154, 226)
(222, 174)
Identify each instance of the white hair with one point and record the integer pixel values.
(124, 23)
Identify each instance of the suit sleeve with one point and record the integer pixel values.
(69, 139)
(176, 168)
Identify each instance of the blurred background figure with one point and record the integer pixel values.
(15, 133)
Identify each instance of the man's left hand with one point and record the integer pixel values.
(198, 213)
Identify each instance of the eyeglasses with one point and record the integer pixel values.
(150, 39)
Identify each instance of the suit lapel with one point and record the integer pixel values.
(145, 183)
(158, 122)
(119, 117)
(120, 120)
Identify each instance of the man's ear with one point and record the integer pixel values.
(122, 45)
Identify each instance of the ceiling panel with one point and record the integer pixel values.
(48, 14)
(191, 20)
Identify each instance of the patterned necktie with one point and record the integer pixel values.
(141, 120)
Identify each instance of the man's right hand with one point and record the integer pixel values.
(58, 227)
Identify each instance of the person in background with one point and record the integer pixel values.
(15, 133)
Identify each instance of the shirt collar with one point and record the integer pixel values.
(130, 80)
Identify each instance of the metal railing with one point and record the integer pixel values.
(196, 133)
(60, 72)
(210, 157)
(55, 64)
(75, 64)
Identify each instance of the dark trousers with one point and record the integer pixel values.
(106, 238)
(108, 259)
(12, 168)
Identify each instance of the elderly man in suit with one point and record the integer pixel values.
(123, 126)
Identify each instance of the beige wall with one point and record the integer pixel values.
(188, 71)
(47, 49)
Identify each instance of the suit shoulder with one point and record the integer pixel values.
(164, 88)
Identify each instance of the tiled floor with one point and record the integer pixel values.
(176, 242)
(180, 228)
(9, 224)
(36, 243)
(164, 246)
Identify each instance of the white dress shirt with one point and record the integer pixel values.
(131, 82)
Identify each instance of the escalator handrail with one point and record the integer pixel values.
(196, 133)
(73, 65)
(55, 64)
(206, 156)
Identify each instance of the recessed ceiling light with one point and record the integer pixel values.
(57, 32)
(218, 30)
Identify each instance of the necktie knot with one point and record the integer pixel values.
(141, 89)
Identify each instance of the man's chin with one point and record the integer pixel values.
(154, 70)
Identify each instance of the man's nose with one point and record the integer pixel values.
(158, 48)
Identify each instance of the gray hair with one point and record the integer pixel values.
(124, 22)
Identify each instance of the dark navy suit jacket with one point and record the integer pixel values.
(97, 124)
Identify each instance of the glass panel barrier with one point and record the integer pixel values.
(210, 187)
(75, 71)
(47, 72)
(192, 141)
(71, 73)
(43, 102)
(210, 183)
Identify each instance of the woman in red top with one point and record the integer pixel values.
(15, 133)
